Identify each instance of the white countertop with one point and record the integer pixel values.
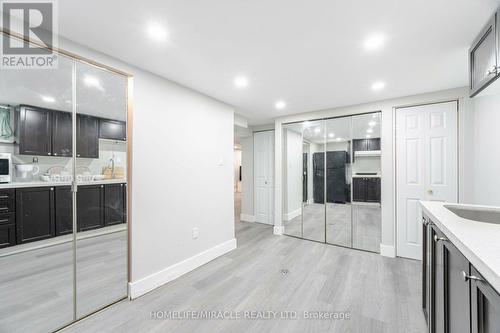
(365, 176)
(39, 183)
(479, 242)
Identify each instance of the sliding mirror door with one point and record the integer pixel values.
(101, 159)
(338, 179)
(366, 178)
(36, 239)
(313, 212)
(293, 178)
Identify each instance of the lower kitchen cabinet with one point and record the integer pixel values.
(114, 204)
(7, 235)
(64, 210)
(90, 203)
(35, 218)
(456, 298)
(366, 189)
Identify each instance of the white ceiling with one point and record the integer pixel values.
(308, 53)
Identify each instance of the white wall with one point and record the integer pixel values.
(387, 158)
(182, 176)
(293, 179)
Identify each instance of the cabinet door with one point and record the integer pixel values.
(7, 235)
(61, 134)
(373, 189)
(456, 290)
(112, 129)
(358, 189)
(114, 204)
(90, 207)
(64, 210)
(34, 214)
(436, 292)
(87, 136)
(359, 145)
(373, 144)
(485, 305)
(483, 58)
(426, 271)
(35, 131)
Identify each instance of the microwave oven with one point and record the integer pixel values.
(5, 167)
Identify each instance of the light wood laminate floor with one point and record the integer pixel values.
(381, 294)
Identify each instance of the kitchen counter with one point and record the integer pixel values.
(39, 183)
(478, 241)
(365, 176)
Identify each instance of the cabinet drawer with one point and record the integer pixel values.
(7, 219)
(7, 194)
(7, 206)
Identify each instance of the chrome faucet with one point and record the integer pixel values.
(111, 164)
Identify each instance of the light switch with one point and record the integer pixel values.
(196, 233)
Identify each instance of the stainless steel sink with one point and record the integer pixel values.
(480, 214)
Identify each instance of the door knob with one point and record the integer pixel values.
(466, 277)
(429, 191)
(437, 239)
(492, 70)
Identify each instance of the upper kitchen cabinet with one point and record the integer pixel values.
(87, 140)
(112, 130)
(34, 126)
(61, 134)
(484, 57)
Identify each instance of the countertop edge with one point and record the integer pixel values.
(15, 185)
(482, 267)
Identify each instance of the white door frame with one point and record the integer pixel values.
(460, 161)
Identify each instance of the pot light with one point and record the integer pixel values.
(368, 136)
(374, 42)
(331, 135)
(339, 139)
(157, 32)
(379, 85)
(317, 130)
(372, 123)
(48, 99)
(91, 81)
(241, 82)
(369, 130)
(280, 105)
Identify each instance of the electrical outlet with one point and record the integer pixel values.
(195, 233)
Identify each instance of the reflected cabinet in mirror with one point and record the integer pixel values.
(63, 194)
(331, 181)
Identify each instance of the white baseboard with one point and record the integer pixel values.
(279, 230)
(153, 281)
(292, 215)
(247, 218)
(388, 251)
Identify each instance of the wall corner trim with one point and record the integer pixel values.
(155, 280)
(247, 217)
(387, 251)
(279, 230)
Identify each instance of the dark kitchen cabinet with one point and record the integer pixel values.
(483, 57)
(7, 235)
(114, 204)
(62, 129)
(366, 189)
(112, 129)
(437, 297)
(366, 144)
(426, 269)
(485, 305)
(87, 136)
(34, 127)
(34, 214)
(63, 210)
(90, 207)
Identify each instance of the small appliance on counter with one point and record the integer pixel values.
(26, 172)
(5, 168)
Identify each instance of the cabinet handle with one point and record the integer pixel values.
(4, 208)
(102, 185)
(4, 220)
(437, 239)
(77, 155)
(49, 154)
(55, 154)
(466, 277)
(4, 197)
(52, 189)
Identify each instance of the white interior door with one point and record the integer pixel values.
(426, 167)
(264, 177)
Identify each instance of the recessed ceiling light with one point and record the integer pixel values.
(241, 82)
(331, 135)
(91, 81)
(372, 123)
(157, 32)
(379, 85)
(317, 130)
(368, 136)
(369, 130)
(374, 42)
(280, 105)
(339, 139)
(48, 99)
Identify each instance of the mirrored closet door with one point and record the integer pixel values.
(332, 168)
(63, 221)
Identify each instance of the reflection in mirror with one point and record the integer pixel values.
(36, 240)
(313, 225)
(101, 151)
(292, 179)
(366, 181)
(338, 176)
